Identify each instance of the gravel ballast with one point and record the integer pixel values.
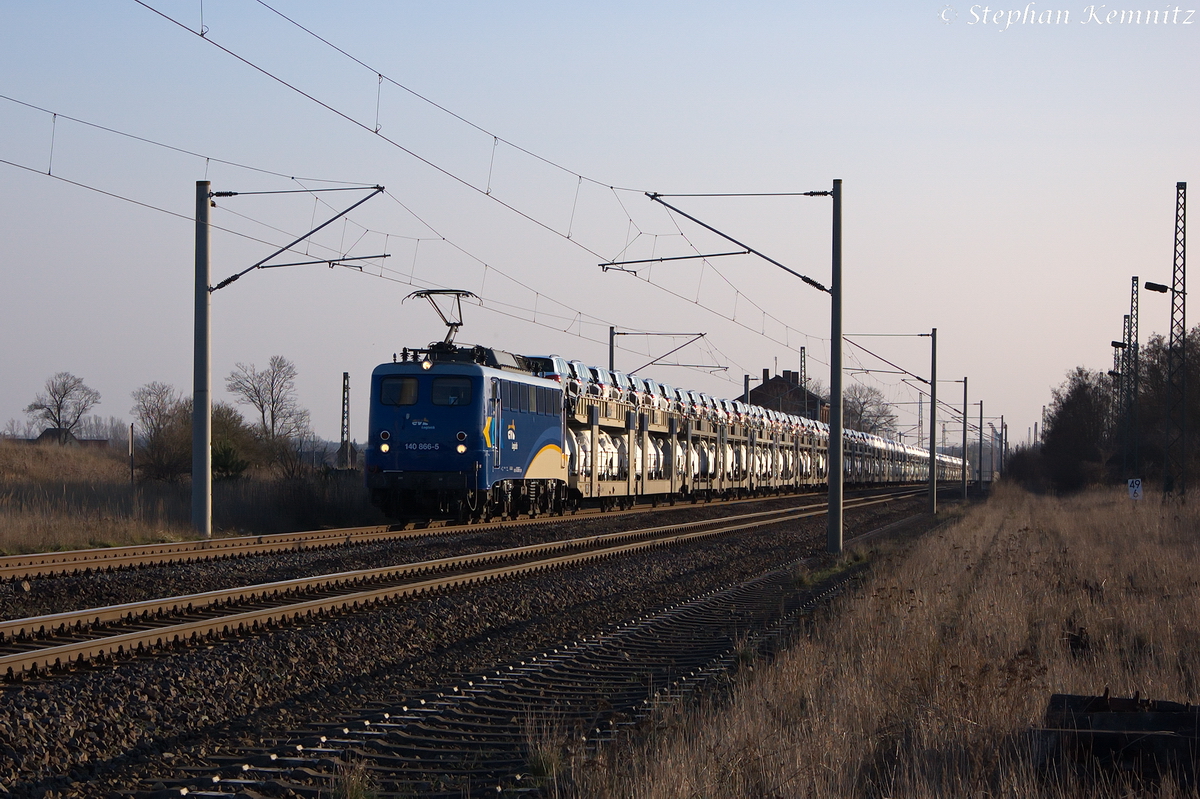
(102, 729)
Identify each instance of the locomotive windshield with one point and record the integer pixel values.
(398, 391)
(451, 391)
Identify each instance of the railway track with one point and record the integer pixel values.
(506, 731)
(41, 644)
(50, 564)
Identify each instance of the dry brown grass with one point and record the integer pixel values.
(925, 682)
(69, 498)
(25, 463)
(53, 497)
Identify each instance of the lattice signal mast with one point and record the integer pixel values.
(1131, 372)
(345, 456)
(804, 378)
(1123, 421)
(1175, 473)
(1114, 404)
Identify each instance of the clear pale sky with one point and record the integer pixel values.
(1003, 180)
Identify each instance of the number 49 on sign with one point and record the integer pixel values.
(1135, 488)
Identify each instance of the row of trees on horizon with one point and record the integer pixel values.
(278, 431)
(277, 435)
(1088, 441)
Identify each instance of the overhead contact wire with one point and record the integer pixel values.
(442, 170)
(438, 106)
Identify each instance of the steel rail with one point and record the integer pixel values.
(66, 654)
(21, 630)
(43, 625)
(47, 564)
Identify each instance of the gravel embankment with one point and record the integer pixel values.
(94, 731)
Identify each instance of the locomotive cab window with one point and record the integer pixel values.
(451, 391)
(398, 391)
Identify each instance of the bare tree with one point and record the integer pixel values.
(155, 406)
(64, 402)
(817, 387)
(16, 429)
(866, 409)
(162, 419)
(112, 429)
(271, 392)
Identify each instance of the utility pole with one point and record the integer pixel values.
(1003, 443)
(746, 388)
(834, 531)
(933, 425)
(201, 379)
(612, 346)
(981, 445)
(964, 446)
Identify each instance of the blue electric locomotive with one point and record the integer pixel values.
(466, 432)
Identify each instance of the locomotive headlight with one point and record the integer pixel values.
(426, 364)
(462, 448)
(384, 447)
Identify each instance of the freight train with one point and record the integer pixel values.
(475, 433)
